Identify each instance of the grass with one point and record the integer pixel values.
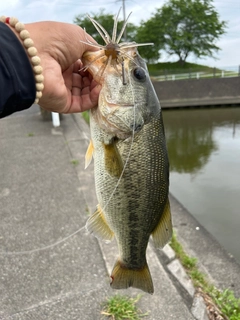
(85, 115)
(224, 302)
(175, 67)
(75, 162)
(229, 304)
(119, 307)
(175, 71)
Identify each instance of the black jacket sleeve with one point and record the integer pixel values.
(17, 83)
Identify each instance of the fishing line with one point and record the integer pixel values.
(43, 248)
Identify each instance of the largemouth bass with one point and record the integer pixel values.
(130, 160)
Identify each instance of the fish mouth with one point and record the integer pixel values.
(119, 105)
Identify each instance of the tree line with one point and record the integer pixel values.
(179, 27)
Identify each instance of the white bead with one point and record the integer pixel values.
(39, 86)
(36, 61)
(38, 94)
(39, 78)
(36, 101)
(32, 51)
(3, 19)
(28, 43)
(24, 34)
(19, 27)
(38, 69)
(13, 21)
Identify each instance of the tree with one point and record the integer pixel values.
(150, 31)
(186, 26)
(106, 20)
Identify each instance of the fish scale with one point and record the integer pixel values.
(134, 209)
(130, 163)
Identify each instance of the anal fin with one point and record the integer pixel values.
(163, 231)
(97, 225)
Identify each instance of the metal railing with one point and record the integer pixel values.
(171, 75)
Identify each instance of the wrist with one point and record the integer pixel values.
(28, 44)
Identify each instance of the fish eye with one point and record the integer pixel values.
(139, 74)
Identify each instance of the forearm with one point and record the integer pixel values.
(17, 83)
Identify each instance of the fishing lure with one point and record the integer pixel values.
(114, 52)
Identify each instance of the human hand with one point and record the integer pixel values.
(66, 89)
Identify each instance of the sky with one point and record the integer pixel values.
(66, 10)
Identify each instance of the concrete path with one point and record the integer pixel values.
(50, 267)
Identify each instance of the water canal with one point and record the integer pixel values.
(204, 153)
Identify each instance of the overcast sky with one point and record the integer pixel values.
(67, 10)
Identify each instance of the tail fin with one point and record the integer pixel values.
(123, 277)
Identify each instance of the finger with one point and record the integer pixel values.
(77, 82)
(86, 83)
(77, 66)
(90, 100)
(86, 101)
(76, 91)
(73, 79)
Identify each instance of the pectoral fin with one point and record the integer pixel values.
(89, 154)
(97, 225)
(113, 160)
(163, 231)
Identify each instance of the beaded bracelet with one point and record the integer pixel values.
(32, 52)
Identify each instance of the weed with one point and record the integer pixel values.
(188, 262)
(31, 134)
(85, 115)
(120, 307)
(75, 162)
(198, 278)
(228, 304)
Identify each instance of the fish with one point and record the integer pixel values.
(131, 166)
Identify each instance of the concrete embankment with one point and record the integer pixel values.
(198, 92)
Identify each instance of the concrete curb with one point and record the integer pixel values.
(198, 307)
